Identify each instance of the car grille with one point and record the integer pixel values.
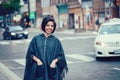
(111, 52)
(19, 33)
(114, 53)
(113, 44)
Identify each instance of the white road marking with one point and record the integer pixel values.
(15, 42)
(69, 62)
(28, 40)
(74, 56)
(117, 69)
(16, 68)
(4, 43)
(81, 57)
(9, 74)
(78, 37)
(20, 61)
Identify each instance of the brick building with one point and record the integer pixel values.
(79, 14)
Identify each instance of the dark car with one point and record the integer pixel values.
(15, 32)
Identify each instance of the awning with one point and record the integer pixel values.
(89, 4)
(62, 8)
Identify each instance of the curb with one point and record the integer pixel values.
(8, 73)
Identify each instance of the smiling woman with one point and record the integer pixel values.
(45, 58)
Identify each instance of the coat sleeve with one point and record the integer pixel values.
(28, 73)
(62, 63)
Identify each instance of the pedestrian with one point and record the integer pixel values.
(45, 58)
(106, 19)
(97, 24)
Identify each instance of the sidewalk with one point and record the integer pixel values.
(68, 31)
(7, 74)
(78, 32)
(2, 76)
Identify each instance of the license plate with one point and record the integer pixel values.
(117, 51)
(20, 35)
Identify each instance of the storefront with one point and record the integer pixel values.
(62, 15)
(75, 15)
(75, 18)
(88, 16)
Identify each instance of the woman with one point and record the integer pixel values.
(45, 59)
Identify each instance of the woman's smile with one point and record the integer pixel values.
(49, 28)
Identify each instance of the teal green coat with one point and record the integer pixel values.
(46, 49)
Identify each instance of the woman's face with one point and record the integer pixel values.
(49, 27)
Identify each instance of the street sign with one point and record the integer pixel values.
(32, 15)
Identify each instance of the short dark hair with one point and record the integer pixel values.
(45, 20)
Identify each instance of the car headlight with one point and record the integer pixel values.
(101, 44)
(26, 32)
(13, 33)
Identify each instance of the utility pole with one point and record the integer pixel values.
(119, 9)
(87, 15)
(118, 4)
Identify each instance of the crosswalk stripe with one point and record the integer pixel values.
(69, 62)
(28, 40)
(74, 56)
(15, 42)
(81, 57)
(115, 68)
(4, 43)
(78, 37)
(22, 61)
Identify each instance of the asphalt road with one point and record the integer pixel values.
(79, 52)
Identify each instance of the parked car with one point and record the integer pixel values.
(14, 32)
(107, 41)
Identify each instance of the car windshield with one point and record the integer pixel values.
(16, 28)
(110, 29)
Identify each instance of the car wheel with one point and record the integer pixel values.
(26, 37)
(98, 58)
(8, 37)
(4, 37)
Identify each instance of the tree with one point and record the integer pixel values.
(9, 7)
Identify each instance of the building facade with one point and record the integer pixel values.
(68, 13)
(80, 14)
(75, 14)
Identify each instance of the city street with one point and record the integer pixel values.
(79, 51)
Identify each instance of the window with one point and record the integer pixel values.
(110, 29)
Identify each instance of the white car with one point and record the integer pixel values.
(107, 41)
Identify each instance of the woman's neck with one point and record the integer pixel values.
(46, 35)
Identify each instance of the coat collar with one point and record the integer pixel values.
(43, 35)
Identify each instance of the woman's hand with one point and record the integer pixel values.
(53, 64)
(39, 62)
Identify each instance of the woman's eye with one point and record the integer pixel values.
(47, 25)
(52, 26)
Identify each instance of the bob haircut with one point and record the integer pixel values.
(45, 20)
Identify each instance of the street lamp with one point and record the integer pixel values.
(81, 21)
